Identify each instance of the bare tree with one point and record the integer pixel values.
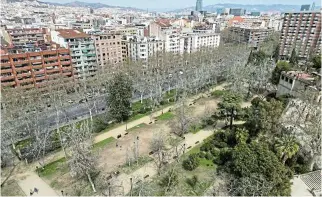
(82, 161)
(157, 146)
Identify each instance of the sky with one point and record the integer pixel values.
(174, 4)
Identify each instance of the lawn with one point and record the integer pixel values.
(166, 116)
(103, 143)
(195, 128)
(51, 168)
(218, 93)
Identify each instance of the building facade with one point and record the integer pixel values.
(300, 31)
(296, 83)
(108, 48)
(237, 11)
(141, 48)
(82, 50)
(252, 36)
(199, 5)
(194, 42)
(34, 69)
(305, 7)
(26, 38)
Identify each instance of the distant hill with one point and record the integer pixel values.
(255, 7)
(80, 4)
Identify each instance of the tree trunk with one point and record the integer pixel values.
(312, 161)
(141, 98)
(62, 144)
(9, 175)
(284, 159)
(91, 182)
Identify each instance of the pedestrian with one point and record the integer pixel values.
(36, 190)
(37, 169)
(31, 192)
(117, 144)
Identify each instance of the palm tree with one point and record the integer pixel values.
(286, 147)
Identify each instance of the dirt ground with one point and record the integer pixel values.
(111, 157)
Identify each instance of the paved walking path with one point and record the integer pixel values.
(31, 181)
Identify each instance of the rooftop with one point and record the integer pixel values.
(299, 75)
(72, 33)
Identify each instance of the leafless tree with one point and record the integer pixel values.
(158, 147)
(82, 161)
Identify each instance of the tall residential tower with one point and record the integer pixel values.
(199, 5)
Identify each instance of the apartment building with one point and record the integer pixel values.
(195, 41)
(253, 36)
(34, 69)
(108, 48)
(140, 48)
(300, 31)
(82, 50)
(237, 11)
(173, 42)
(23, 38)
(82, 25)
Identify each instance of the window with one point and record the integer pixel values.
(291, 81)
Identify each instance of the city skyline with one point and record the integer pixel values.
(168, 4)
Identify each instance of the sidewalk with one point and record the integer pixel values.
(31, 181)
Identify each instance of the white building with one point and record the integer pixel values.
(82, 50)
(193, 42)
(143, 47)
(173, 42)
(295, 83)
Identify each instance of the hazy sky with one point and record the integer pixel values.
(183, 3)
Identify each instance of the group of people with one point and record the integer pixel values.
(32, 191)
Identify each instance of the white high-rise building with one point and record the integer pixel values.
(141, 48)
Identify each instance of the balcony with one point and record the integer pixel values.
(36, 60)
(50, 58)
(39, 72)
(4, 78)
(24, 74)
(37, 67)
(56, 70)
(65, 62)
(40, 78)
(21, 62)
(3, 71)
(51, 64)
(11, 83)
(23, 68)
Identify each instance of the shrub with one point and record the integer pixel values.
(163, 102)
(215, 152)
(217, 93)
(191, 163)
(170, 180)
(209, 156)
(220, 144)
(201, 154)
(171, 100)
(224, 156)
(192, 181)
(206, 147)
